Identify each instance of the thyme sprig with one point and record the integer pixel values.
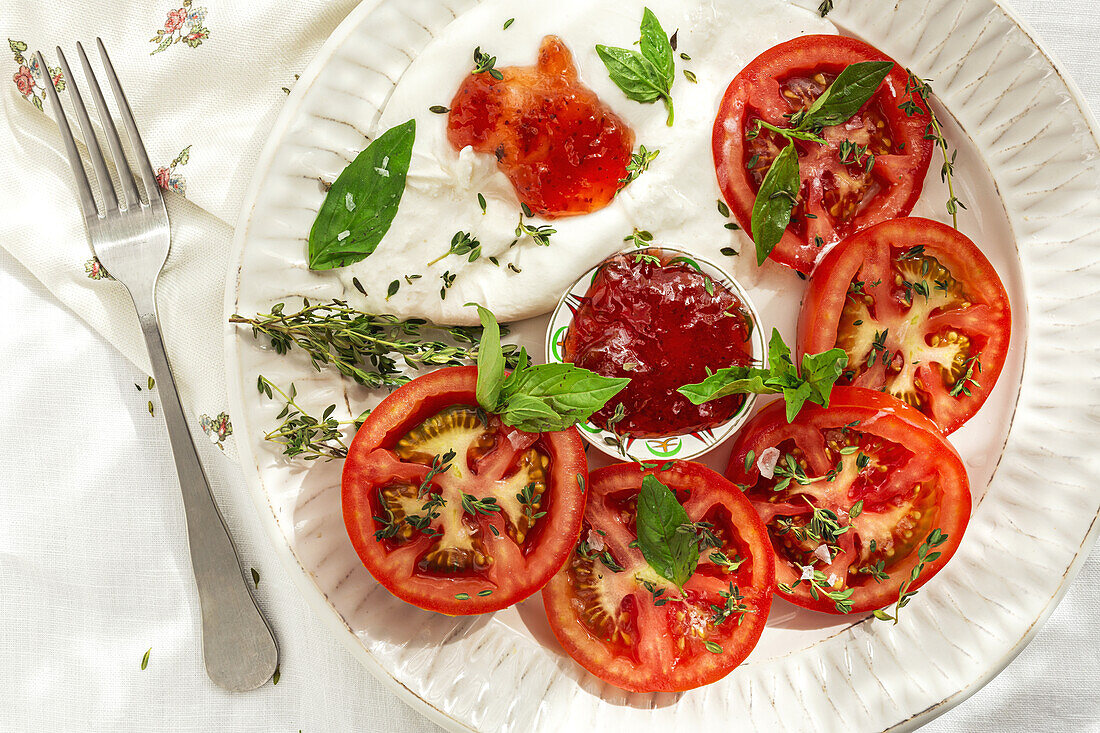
(917, 87)
(925, 555)
(366, 346)
(462, 243)
(734, 604)
(483, 62)
(540, 234)
(302, 434)
(819, 586)
(639, 164)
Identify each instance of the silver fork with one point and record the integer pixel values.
(131, 238)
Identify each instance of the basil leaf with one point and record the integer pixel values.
(632, 73)
(814, 384)
(848, 92)
(490, 361)
(655, 47)
(671, 553)
(771, 212)
(566, 395)
(726, 382)
(646, 75)
(821, 372)
(361, 205)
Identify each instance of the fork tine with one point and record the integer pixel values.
(145, 170)
(126, 178)
(83, 188)
(99, 165)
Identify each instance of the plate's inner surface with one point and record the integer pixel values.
(335, 113)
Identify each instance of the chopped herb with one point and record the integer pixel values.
(483, 62)
(508, 23)
(639, 164)
(439, 109)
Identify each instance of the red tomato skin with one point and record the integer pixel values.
(894, 420)
(811, 53)
(819, 315)
(590, 654)
(399, 412)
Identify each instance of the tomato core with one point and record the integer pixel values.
(563, 150)
(662, 324)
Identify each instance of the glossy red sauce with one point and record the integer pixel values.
(662, 325)
(561, 147)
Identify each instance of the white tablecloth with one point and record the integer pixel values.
(94, 568)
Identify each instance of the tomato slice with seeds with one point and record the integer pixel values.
(866, 447)
(629, 626)
(450, 509)
(920, 312)
(838, 196)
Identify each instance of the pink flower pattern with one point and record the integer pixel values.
(183, 25)
(169, 178)
(28, 77)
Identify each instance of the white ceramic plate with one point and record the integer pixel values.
(1027, 167)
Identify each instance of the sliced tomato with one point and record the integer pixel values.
(868, 449)
(837, 198)
(631, 627)
(920, 312)
(479, 535)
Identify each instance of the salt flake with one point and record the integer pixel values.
(832, 579)
(765, 464)
(382, 172)
(349, 202)
(343, 235)
(822, 553)
(595, 541)
(807, 572)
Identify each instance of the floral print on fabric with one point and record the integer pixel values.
(169, 178)
(28, 77)
(183, 25)
(95, 270)
(216, 428)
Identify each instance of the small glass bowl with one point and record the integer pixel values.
(684, 446)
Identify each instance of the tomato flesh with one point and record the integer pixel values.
(866, 449)
(633, 628)
(662, 324)
(920, 312)
(454, 511)
(563, 150)
(842, 190)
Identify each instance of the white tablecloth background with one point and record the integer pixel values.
(93, 556)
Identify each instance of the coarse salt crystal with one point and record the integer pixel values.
(765, 464)
(595, 541)
(382, 172)
(349, 202)
(832, 579)
(343, 235)
(807, 572)
(386, 162)
(822, 553)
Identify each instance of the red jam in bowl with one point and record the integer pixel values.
(563, 150)
(656, 318)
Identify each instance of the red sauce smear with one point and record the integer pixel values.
(661, 324)
(561, 147)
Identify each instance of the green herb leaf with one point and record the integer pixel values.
(771, 212)
(848, 92)
(145, 658)
(361, 205)
(490, 361)
(814, 384)
(255, 578)
(550, 397)
(655, 47)
(646, 75)
(540, 398)
(671, 553)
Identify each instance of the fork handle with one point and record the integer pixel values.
(238, 647)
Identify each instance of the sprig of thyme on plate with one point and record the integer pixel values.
(366, 346)
(925, 555)
(917, 87)
(303, 435)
